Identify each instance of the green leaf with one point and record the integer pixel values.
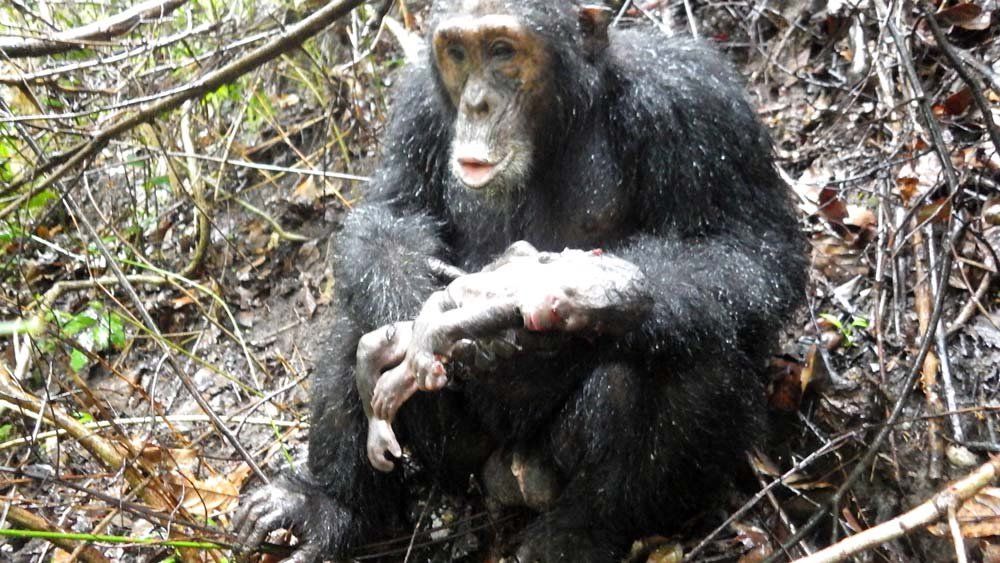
(832, 319)
(859, 322)
(78, 323)
(10, 232)
(41, 199)
(116, 329)
(84, 417)
(5, 432)
(78, 360)
(158, 181)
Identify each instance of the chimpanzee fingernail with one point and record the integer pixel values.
(439, 369)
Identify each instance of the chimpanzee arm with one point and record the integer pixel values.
(720, 243)
(382, 271)
(382, 276)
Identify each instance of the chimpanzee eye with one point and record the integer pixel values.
(456, 53)
(502, 50)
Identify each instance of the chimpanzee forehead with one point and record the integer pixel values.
(529, 11)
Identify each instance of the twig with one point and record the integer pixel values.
(975, 302)
(291, 38)
(71, 538)
(196, 185)
(927, 513)
(182, 375)
(172, 419)
(974, 88)
(923, 290)
(48, 73)
(692, 24)
(956, 535)
(107, 453)
(101, 30)
(927, 339)
(828, 447)
(40, 527)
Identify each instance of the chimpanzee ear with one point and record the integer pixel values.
(594, 22)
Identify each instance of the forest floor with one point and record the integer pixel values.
(220, 208)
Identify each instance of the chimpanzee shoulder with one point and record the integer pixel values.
(680, 108)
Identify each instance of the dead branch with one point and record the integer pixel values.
(28, 520)
(974, 88)
(151, 325)
(927, 339)
(290, 39)
(78, 37)
(927, 513)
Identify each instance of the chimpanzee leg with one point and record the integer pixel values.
(642, 448)
(337, 498)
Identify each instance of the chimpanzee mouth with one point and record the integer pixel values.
(476, 173)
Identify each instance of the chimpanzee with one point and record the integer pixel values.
(535, 121)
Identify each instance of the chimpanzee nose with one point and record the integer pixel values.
(475, 102)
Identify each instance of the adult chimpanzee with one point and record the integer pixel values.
(532, 121)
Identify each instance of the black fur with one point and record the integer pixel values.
(655, 156)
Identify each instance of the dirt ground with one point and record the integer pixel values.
(889, 146)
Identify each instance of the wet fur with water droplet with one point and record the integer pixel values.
(620, 139)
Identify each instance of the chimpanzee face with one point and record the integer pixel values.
(495, 72)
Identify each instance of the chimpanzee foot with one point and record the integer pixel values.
(382, 441)
(316, 519)
(520, 478)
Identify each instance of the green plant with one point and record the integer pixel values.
(849, 326)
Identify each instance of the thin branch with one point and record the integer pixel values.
(927, 513)
(24, 519)
(182, 375)
(78, 37)
(293, 37)
(970, 83)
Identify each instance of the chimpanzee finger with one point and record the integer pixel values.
(259, 509)
(308, 552)
(261, 528)
(243, 512)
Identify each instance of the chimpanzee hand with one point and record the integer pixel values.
(571, 291)
(315, 518)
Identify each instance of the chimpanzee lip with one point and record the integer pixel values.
(493, 169)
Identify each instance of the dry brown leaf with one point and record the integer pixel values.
(756, 542)
(979, 517)
(831, 206)
(955, 104)
(786, 385)
(959, 14)
(218, 493)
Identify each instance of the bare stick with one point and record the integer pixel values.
(31, 521)
(98, 31)
(290, 39)
(927, 513)
(182, 375)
